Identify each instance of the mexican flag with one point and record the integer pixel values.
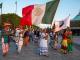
(62, 24)
(39, 13)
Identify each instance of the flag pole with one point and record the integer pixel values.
(15, 9)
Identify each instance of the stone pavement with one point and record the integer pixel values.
(76, 40)
(30, 53)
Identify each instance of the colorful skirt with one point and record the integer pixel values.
(26, 41)
(43, 50)
(64, 44)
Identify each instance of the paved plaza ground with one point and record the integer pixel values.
(30, 52)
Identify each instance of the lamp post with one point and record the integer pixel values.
(1, 14)
(16, 7)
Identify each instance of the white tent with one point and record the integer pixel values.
(44, 26)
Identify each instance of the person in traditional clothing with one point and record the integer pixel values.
(51, 34)
(17, 31)
(31, 35)
(64, 43)
(20, 41)
(55, 41)
(5, 38)
(26, 37)
(44, 43)
(36, 35)
(70, 43)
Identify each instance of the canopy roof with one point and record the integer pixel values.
(77, 17)
(75, 22)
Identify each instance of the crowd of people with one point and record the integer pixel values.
(43, 37)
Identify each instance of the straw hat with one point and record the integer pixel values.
(6, 24)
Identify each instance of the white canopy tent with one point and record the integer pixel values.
(44, 26)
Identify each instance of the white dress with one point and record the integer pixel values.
(17, 36)
(20, 42)
(43, 45)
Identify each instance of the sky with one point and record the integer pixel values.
(65, 7)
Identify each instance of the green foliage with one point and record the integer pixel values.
(12, 18)
(35, 27)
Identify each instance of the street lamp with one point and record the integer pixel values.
(1, 13)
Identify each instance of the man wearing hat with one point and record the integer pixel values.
(5, 38)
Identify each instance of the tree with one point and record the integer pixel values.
(12, 18)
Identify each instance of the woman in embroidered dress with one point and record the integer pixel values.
(44, 43)
(64, 43)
